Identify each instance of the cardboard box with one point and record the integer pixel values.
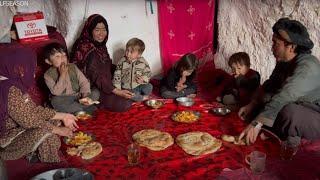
(31, 27)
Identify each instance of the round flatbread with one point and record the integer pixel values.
(153, 139)
(86, 151)
(91, 150)
(198, 143)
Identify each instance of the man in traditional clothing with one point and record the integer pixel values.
(289, 101)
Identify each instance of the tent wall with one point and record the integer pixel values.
(126, 19)
(243, 25)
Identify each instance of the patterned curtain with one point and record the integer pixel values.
(185, 26)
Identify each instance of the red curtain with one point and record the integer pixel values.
(185, 26)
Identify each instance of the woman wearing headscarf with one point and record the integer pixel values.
(91, 55)
(27, 129)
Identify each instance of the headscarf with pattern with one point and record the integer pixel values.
(17, 63)
(85, 44)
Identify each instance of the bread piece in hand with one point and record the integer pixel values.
(241, 142)
(228, 138)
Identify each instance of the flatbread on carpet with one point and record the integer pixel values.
(153, 139)
(91, 150)
(86, 151)
(198, 143)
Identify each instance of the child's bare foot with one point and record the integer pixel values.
(191, 95)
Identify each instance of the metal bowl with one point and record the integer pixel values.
(185, 101)
(154, 103)
(64, 173)
(82, 115)
(221, 111)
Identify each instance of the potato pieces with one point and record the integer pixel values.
(78, 139)
(186, 116)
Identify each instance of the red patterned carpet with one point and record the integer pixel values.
(114, 131)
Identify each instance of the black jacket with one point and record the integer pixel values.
(173, 77)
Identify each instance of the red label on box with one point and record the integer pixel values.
(31, 27)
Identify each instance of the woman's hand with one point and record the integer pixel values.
(62, 131)
(69, 121)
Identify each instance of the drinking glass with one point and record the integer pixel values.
(133, 154)
(288, 150)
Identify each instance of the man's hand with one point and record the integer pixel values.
(250, 133)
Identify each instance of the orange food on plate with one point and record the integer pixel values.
(83, 116)
(79, 138)
(185, 116)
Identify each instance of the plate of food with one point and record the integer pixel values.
(185, 101)
(82, 115)
(154, 103)
(64, 173)
(220, 111)
(79, 138)
(186, 116)
(88, 101)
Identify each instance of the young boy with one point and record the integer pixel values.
(67, 83)
(245, 81)
(133, 72)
